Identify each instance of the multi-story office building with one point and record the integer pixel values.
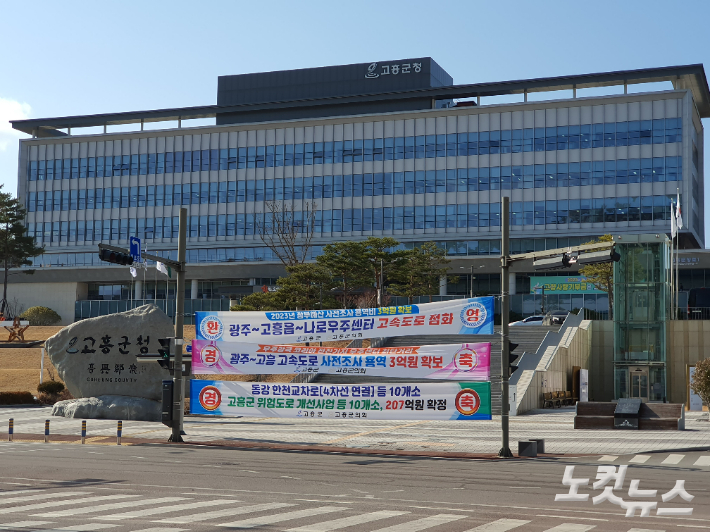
(389, 148)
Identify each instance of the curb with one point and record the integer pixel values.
(265, 446)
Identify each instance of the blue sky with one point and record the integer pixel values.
(72, 57)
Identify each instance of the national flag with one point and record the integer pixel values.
(162, 268)
(134, 273)
(674, 225)
(679, 217)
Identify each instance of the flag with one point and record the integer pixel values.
(162, 268)
(133, 271)
(674, 225)
(679, 217)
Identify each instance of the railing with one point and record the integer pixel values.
(93, 308)
(693, 313)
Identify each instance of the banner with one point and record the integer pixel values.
(469, 362)
(411, 401)
(458, 316)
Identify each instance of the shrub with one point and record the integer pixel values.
(700, 382)
(51, 387)
(41, 316)
(16, 398)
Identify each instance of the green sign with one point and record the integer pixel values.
(576, 284)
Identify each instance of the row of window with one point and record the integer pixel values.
(622, 171)
(196, 256)
(612, 210)
(609, 134)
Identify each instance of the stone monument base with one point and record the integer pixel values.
(120, 407)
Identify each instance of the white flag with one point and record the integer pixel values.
(133, 271)
(674, 225)
(679, 217)
(162, 269)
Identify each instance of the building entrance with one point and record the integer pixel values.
(638, 382)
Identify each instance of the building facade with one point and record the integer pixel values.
(379, 149)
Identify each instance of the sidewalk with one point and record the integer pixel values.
(429, 438)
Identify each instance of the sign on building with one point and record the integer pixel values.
(558, 284)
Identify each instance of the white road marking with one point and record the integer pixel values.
(165, 509)
(335, 524)
(23, 524)
(673, 459)
(640, 459)
(162, 529)
(194, 518)
(113, 506)
(278, 518)
(91, 527)
(422, 524)
(608, 458)
(570, 527)
(501, 525)
(42, 497)
(703, 461)
(51, 504)
(644, 530)
(576, 517)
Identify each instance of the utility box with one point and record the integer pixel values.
(167, 407)
(626, 414)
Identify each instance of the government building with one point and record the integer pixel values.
(387, 148)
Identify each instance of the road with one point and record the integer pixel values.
(161, 488)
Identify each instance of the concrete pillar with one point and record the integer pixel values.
(193, 289)
(138, 291)
(511, 276)
(442, 285)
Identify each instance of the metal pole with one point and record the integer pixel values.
(672, 260)
(677, 248)
(178, 398)
(504, 318)
(10, 429)
(83, 431)
(471, 293)
(119, 432)
(46, 431)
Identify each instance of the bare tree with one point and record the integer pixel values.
(288, 232)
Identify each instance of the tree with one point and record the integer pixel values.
(348, 267)
(601, 275)
(260, 302)
(16, 248)
(288, 232)
(700, 383)
(420, 272)
(307, 287)
(380, 260)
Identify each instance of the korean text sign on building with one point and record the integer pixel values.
(468, 362)
(415, 401)
(558, 284)
(460, 316)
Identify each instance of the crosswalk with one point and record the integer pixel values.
(669, 459)
(54, 510)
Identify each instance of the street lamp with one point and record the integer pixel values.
(470, 292)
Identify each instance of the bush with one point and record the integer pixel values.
(16, 398)
(50, 387)
(51, 398)
(41, 316)
(700, 382)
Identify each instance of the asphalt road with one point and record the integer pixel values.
(161, 488)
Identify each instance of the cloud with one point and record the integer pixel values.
(11, 110)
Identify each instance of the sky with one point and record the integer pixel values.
(80, 57)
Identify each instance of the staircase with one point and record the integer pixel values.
(527, 338)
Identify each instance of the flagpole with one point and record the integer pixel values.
(673, 231)
(679, 218)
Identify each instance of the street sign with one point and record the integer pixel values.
(135, 247)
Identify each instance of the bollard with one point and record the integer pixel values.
(83, 431)
(46, 431)
(119, 429)
(10, 429)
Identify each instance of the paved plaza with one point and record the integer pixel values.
(555, 426)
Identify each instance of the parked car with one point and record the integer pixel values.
(530, 320)
(558, 317)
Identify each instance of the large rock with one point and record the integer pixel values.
(97, 356)
(109, 407)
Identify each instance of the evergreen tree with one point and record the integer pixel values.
(16, 248)
(348, 267)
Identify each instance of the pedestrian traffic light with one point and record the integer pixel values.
(115, 257)
(165, 353)
(511, 357)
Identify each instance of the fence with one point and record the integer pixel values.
(94, 308)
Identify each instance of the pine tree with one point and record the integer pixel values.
(16, 247)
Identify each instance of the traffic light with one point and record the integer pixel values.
(511, 357)
(165, 353)
(115, 257)
(598, 257)
(554, 263)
